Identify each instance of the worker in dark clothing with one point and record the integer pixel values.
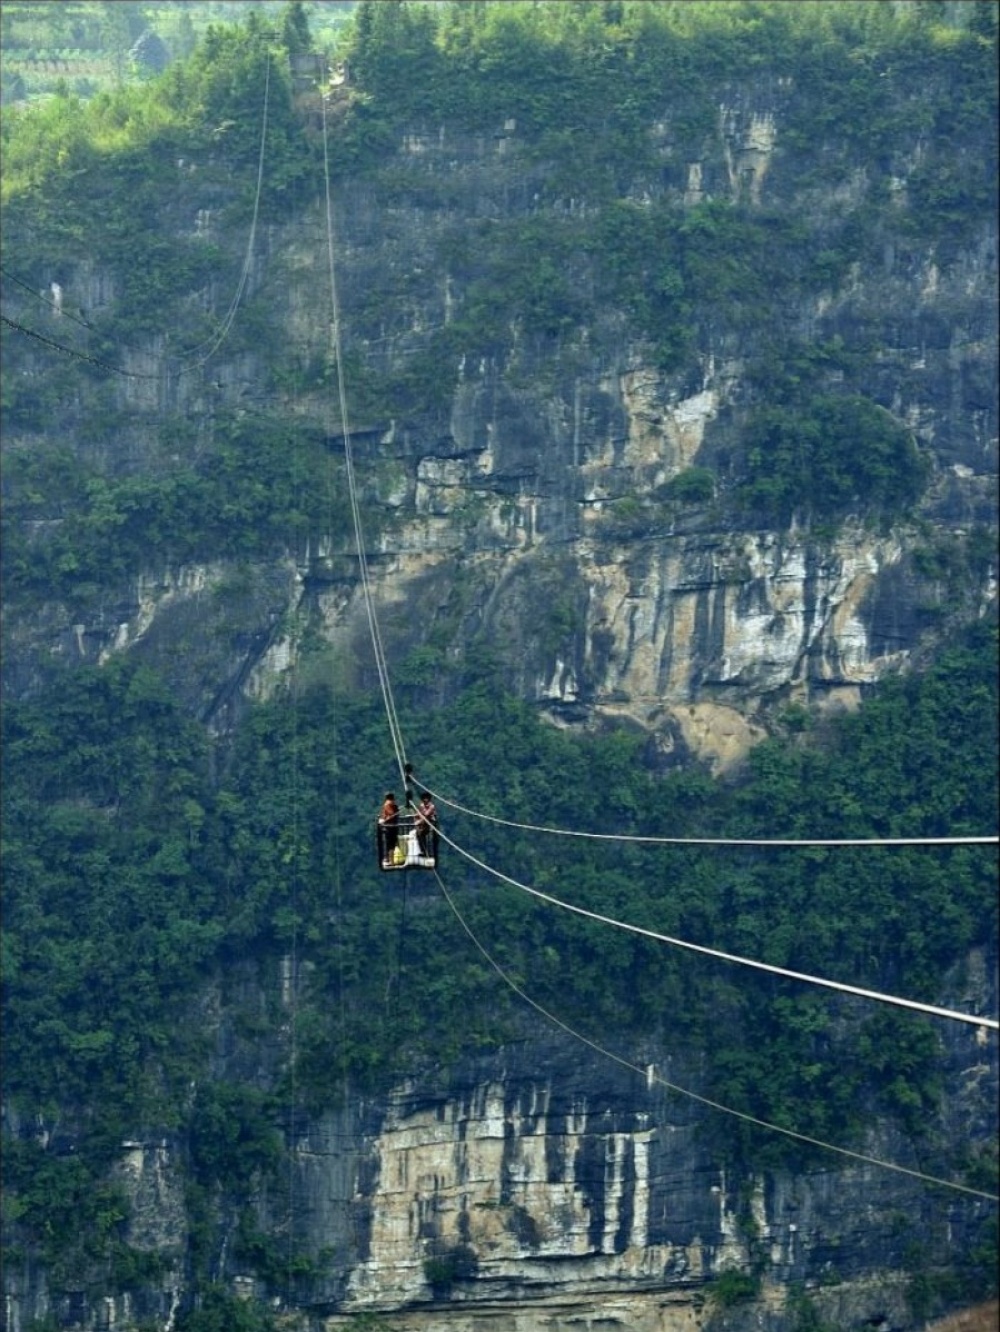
(427, 834)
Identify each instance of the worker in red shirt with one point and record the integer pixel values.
(388, 829)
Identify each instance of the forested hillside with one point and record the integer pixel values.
(200, 955)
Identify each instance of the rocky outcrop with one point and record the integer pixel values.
(535, 1190)
(505, 1186)
(545, 475)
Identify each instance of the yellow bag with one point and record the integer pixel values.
(398, 856)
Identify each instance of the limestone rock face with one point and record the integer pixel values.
(542, 473)
(548, 1186)
(525, 503)
(587, 1191)
(545, 1185)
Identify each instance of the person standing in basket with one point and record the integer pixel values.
(388, 829)
(427, 834)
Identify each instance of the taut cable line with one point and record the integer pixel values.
(929, 1009)
(695, 1096)
(991, 839)
(46, 300)
(373, 628)
(70, 351)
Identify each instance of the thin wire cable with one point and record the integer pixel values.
(695, 1096)
(216, 340)
(991, 839)
(47, 300)
(840, 986)
(96, 360)
(69, 351)
(373, 628)
(230, 315)
(293, 1034)
(293, 1050)
(399, 955)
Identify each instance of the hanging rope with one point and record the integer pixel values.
(399, 953)
(216, 340)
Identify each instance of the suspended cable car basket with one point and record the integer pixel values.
(408, 843)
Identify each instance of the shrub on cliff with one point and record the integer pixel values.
(830, 457)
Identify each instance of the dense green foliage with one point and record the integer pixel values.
(250, 495)
(123, 146)
(218, 1311)
(606, 230)
(580, 86)
(131, 878)
(144, 864)
(831, 455)
(596, 76)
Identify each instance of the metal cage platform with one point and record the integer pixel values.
(409, 843)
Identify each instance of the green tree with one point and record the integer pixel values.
(295, 35)
(830, 456)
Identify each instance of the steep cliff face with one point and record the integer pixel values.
(568, 495)
(667, 612)
(530, 1189)
(589, 1190)
(548, 463)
